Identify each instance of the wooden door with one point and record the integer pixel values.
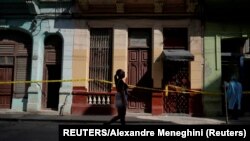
(139, 69)
(6, 74)
(139, 75)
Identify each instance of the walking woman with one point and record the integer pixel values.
(120, 97)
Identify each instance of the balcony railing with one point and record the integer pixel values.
(99, 99)
(93, 103)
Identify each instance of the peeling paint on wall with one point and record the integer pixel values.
(208, 70)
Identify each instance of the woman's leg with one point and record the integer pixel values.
(122, 115)
(115, 118)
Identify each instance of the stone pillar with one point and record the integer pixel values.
(120, 54)
(81, 53)
(65, 96)
(80, 65)
(196, 68)
(157, 69)
(35, 90)
(212, 76)
(120, 48)
(157, 103)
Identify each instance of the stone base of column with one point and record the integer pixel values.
(64, 107)
(33, 107)
(65, 100)
(34, 98)
(196, 105)
(157, 103)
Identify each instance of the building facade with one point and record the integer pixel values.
(82, 43)
(226, 52)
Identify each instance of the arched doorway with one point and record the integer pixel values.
(52, 71)
(15, 65)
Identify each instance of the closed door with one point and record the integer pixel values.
(139, 75)
(6, 74)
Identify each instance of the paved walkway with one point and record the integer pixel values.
(180, 119)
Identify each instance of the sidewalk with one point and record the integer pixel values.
(141, 118)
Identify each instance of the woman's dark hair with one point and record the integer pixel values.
(120, 74)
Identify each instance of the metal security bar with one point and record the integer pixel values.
(100, 66)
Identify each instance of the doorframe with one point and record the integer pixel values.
(54, 58)
(143, 45)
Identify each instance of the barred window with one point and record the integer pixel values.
(100, 66)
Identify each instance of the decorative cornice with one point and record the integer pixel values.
(128, 7)
(119, 6)
(158, 4)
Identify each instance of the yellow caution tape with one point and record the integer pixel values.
(177, 89)
(166, 90)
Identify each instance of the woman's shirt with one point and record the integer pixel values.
(121, 87)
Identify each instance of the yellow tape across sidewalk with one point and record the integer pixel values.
(177, 89)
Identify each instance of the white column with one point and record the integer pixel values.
(65, 97)
(35, 90)
(157, 48)
(120, 48)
